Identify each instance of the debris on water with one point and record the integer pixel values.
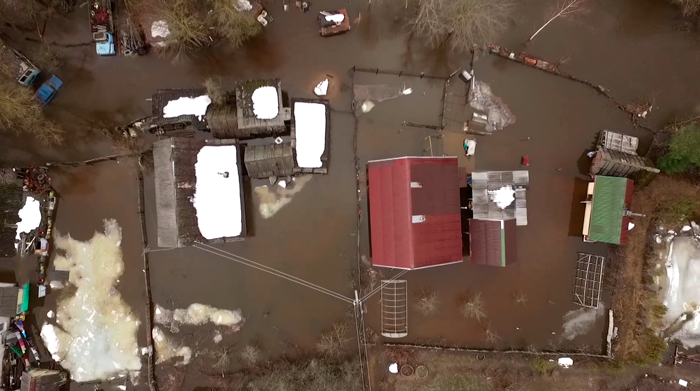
(565, 362)
(122, 386)
(321, 88)
(367, 106)
(591, 154)
(683, 383)
(579, 322)
(407, 91)
(671, 232)
(166, 349)
(482, 98)
(273, 198)
(685, 228)
(657, 238)
(525, 161)
(394, 368)
(49, 314)
(282, 184)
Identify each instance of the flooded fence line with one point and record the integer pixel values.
(95, 160)
(553, 69)
(152, 383)
(359, 317)
(493, 351)
(378, 71)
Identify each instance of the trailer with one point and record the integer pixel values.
(16, 66)
(102, 26)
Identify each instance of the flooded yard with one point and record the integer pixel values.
(310, 231)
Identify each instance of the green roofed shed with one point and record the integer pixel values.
(611, 199)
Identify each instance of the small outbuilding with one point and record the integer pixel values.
(199, 197)
(607, 216)
(269, 160)
(493, 242)
(500, 195)
(311, 138)
(414, 211)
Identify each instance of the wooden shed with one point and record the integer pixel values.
(179, 222)
(271, 160)
(612, 162)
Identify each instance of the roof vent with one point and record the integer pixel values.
(417, 219)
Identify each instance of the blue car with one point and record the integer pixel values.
(104, 44)
(49, 89)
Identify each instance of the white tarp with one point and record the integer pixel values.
(310, 127)
(217, 197)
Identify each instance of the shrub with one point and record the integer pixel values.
(683, 150)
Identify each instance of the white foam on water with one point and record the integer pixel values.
(167, 350)
(581, 321)
(96, 334)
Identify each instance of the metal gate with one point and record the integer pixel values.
(394, 303)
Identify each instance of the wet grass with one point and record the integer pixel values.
(334, 341)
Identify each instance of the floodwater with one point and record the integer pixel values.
(630, 47)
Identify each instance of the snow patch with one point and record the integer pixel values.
(265, 102)
(187, 106)
(30, 215)
(581, 321)
(160, 28)
(218, 337)
(683, 291)
(310, 125)
(97, 334)
(167, 350)
(503, 196)
(217, 197)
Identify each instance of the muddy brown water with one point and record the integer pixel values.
(630, 47)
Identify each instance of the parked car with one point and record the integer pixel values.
(49, 89)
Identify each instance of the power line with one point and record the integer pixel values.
(275, 272)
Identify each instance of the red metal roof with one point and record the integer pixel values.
(396, 240)
(493, 242)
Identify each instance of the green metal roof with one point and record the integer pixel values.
(607, 209)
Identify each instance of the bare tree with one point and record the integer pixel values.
(333, 342)
(232, 24)
(564, 8)
(461, 23)
(473, 307)
(251, 355)
(22, 112)
(519, 297)
(688, 7)
(193, 24)
(428, 302)
(214, 90)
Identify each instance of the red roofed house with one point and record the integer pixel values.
(414, 212)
